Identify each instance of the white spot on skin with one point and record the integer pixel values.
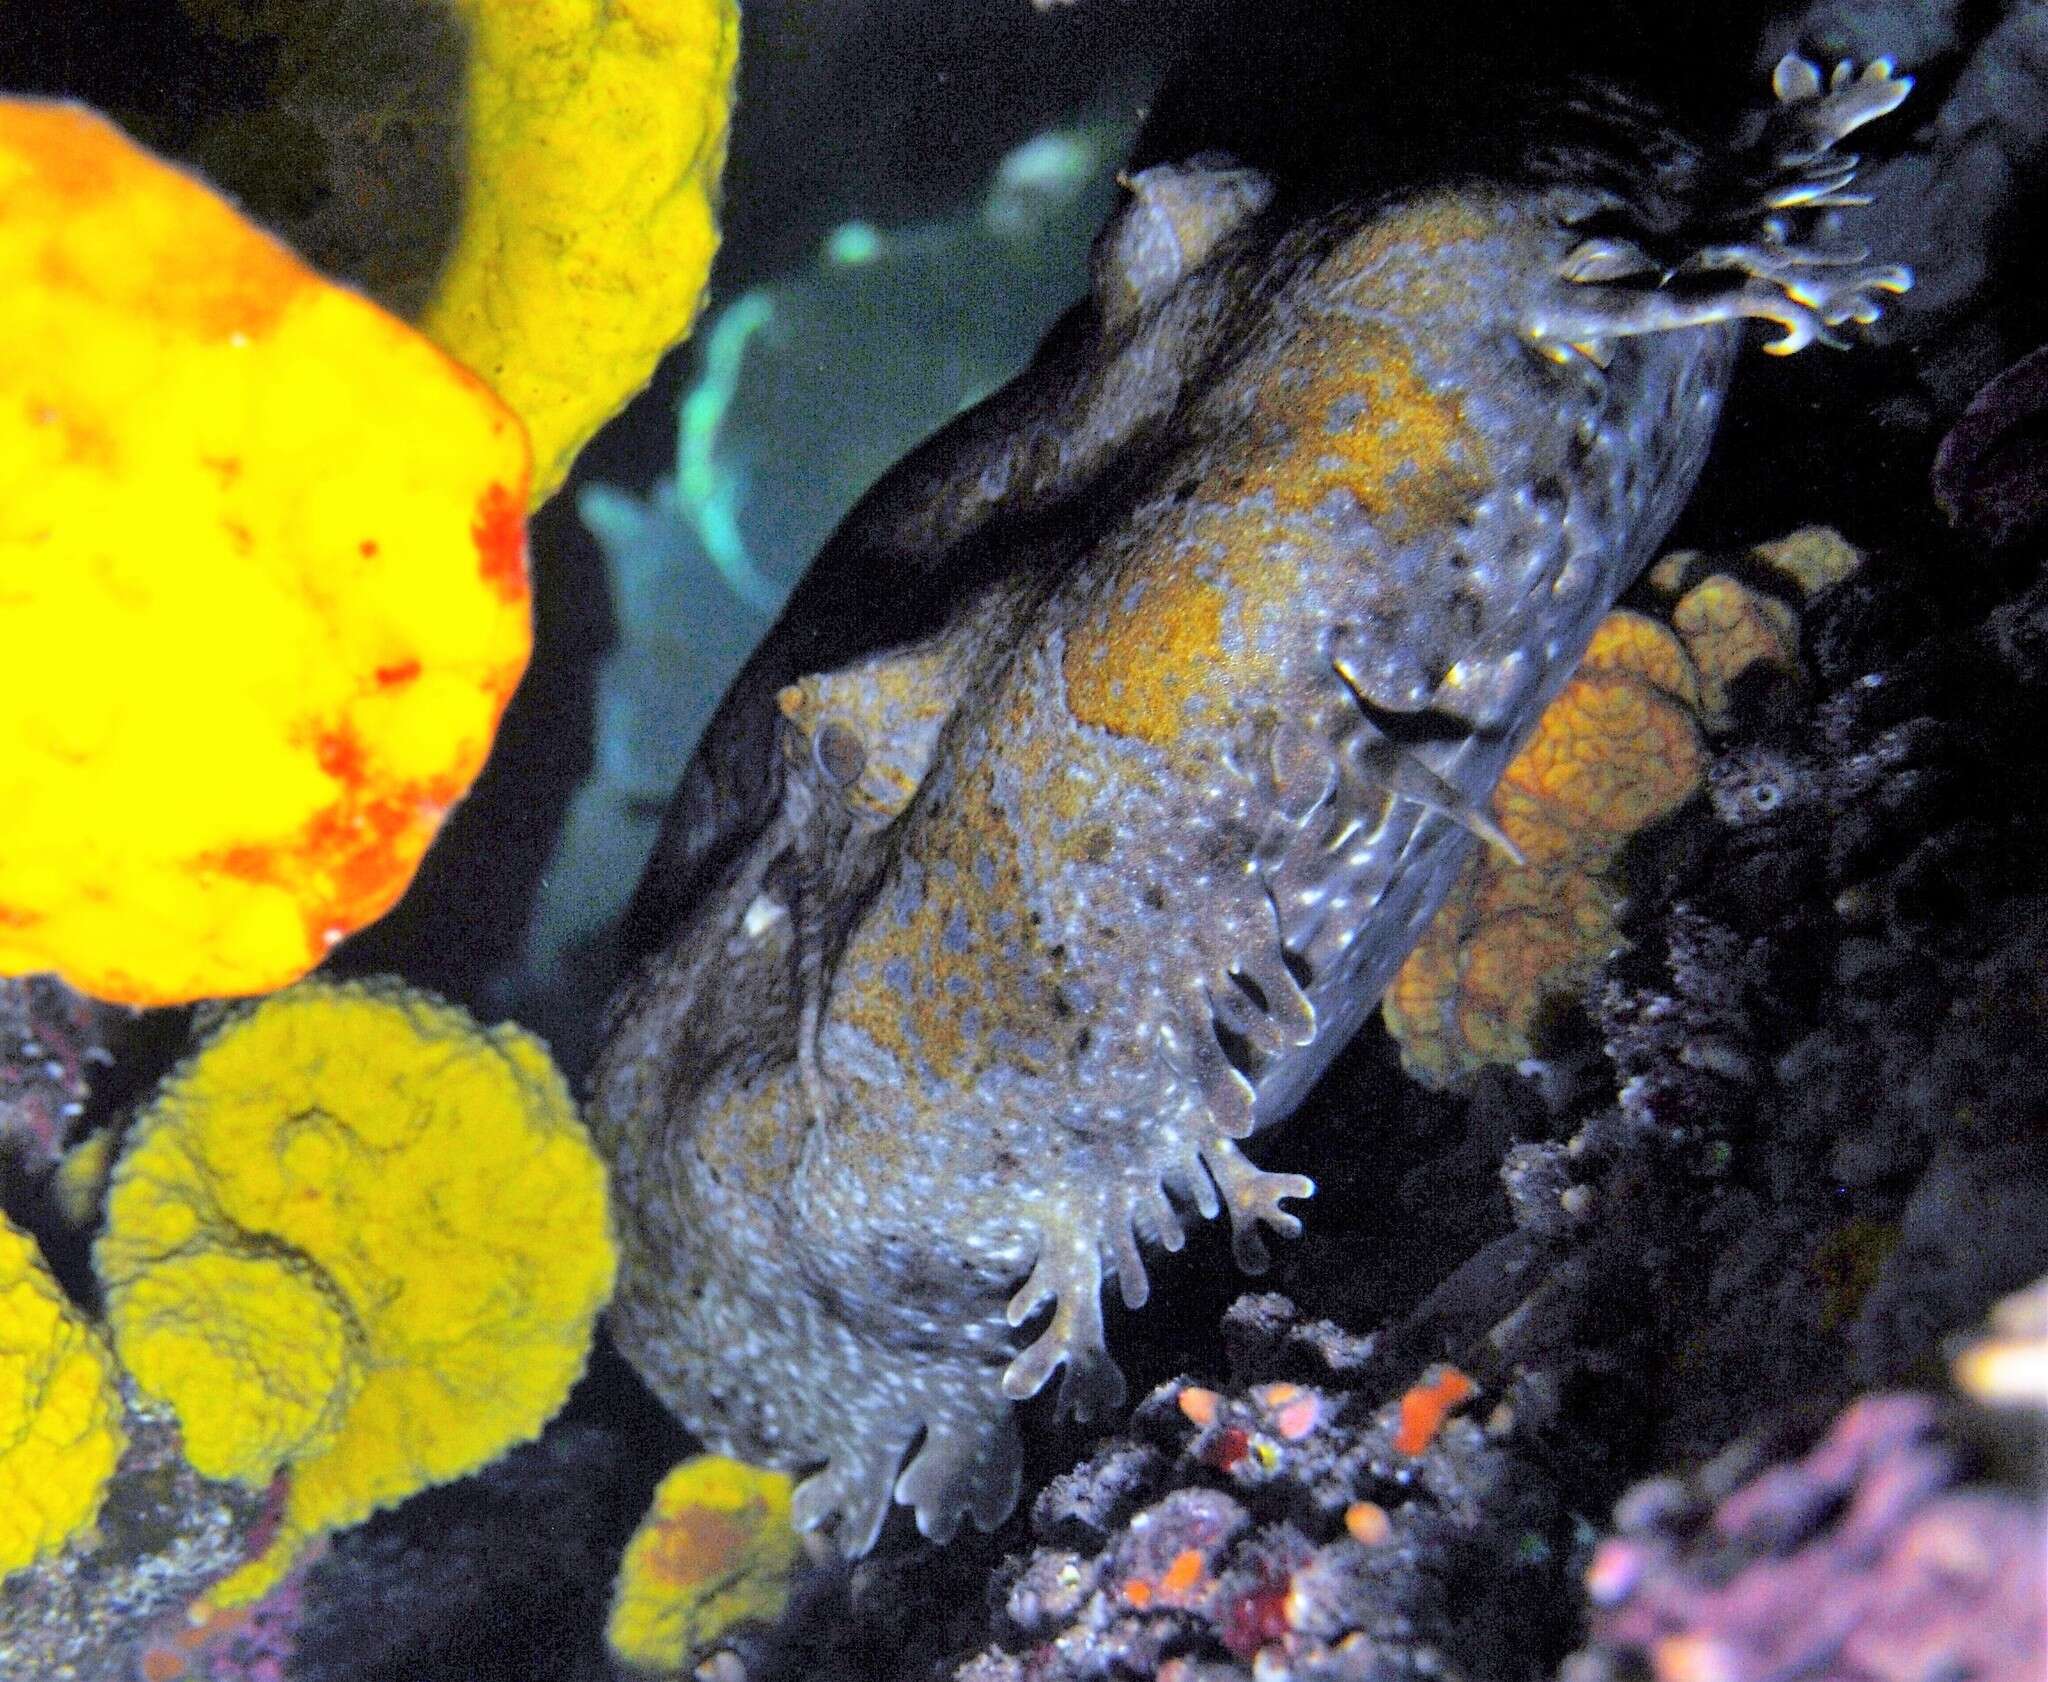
(762, 916)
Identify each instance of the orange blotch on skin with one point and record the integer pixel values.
(1131, 671)
(1197, 1404)
(1427, 1405)
(1360, 420)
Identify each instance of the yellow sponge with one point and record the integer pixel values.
(60, 1413)
(262, 581)
(359, 1239)
(715, 1550)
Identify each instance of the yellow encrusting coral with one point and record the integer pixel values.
(1618, 749)
(715, 1549)
(263, 589)
(60, 1411)
(359, 1238)
(597, 134)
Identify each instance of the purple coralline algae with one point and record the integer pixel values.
(1869, 1559)
(50, 1037)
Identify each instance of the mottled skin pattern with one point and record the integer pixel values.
(1106, 766)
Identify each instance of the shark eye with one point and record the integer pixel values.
(839, 753)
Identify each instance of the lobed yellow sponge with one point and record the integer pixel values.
(532, 182)
(359, 1239)
(60, 1412)
(262, 581)
(715, 1549)
(1731, 627)
(1814, 558)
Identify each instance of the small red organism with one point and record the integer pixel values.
(1426, 1406)
(1231, 1445)
(1367, 1523)
(1260, 1617)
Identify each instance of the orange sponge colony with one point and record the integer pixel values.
(262, 581)
(1619, 749)
(716, 1549)
(359, 1238)
(60, 1413)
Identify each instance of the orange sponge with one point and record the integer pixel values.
(1619, 749)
